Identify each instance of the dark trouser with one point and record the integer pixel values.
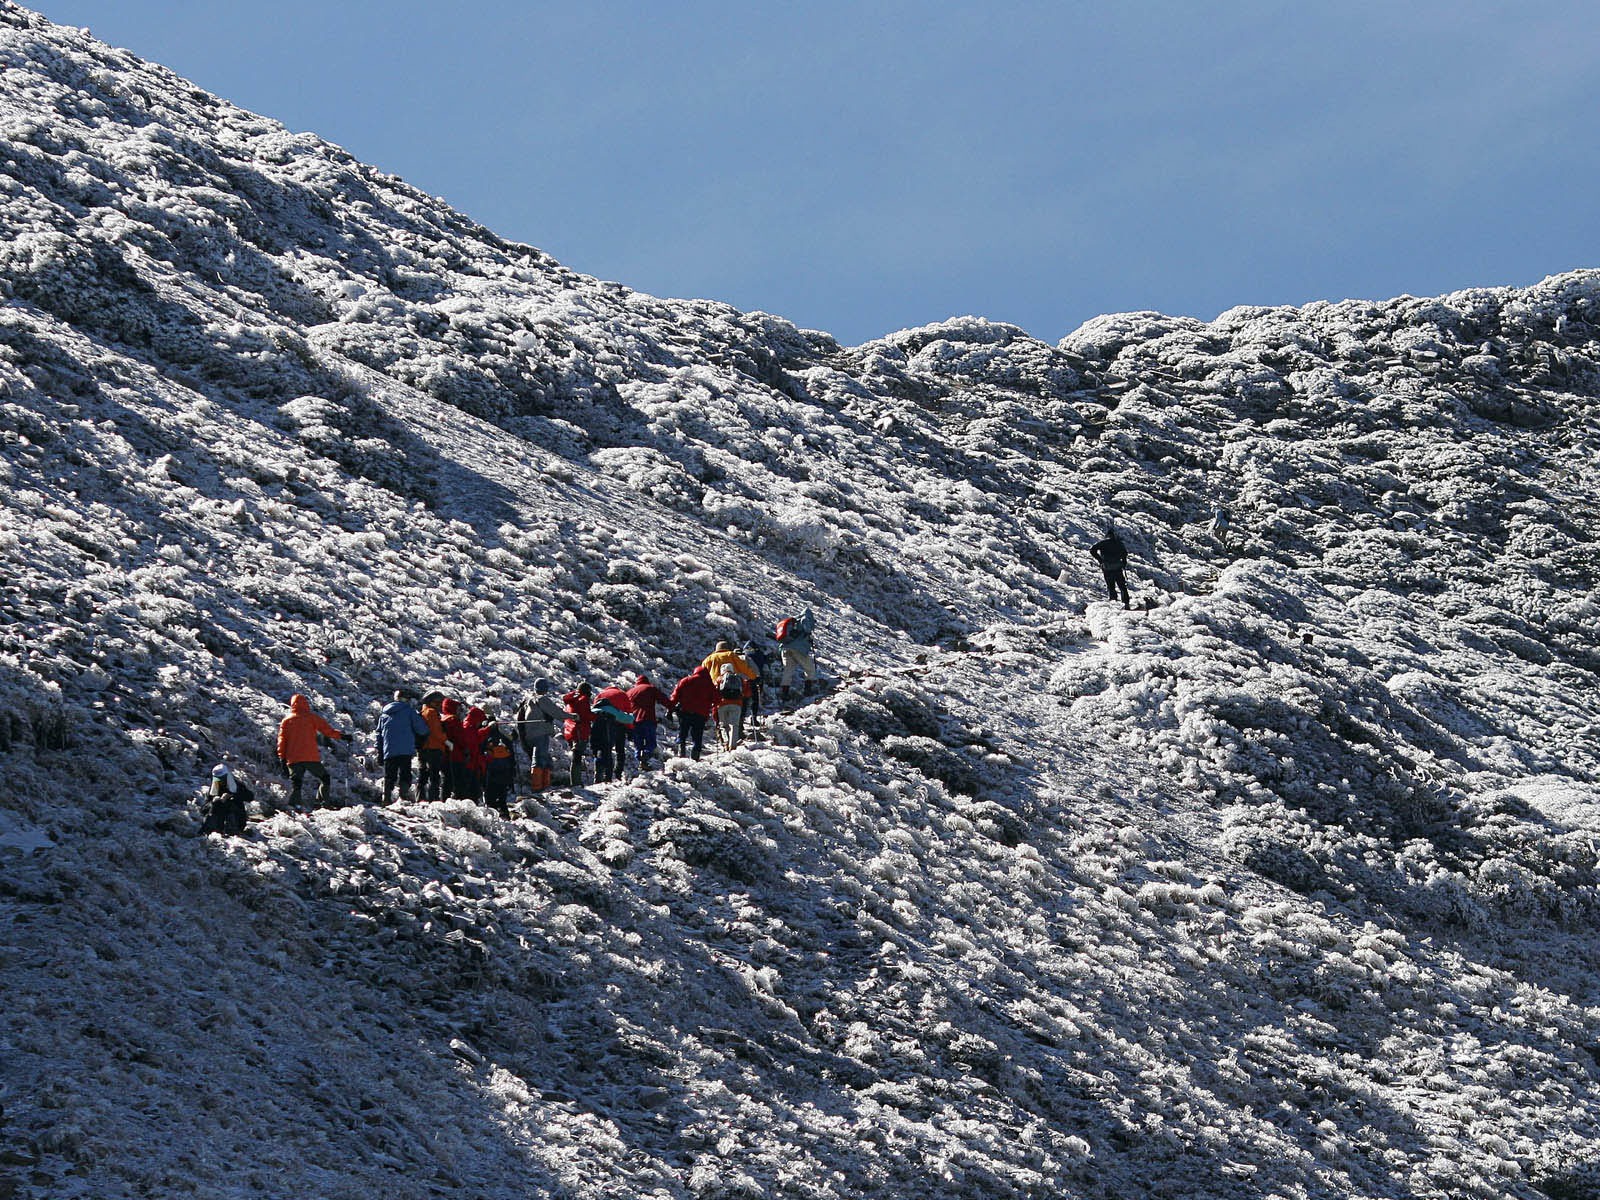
(457, 781)
(691, 726)
(497, 782)
(396, 771)
(644, 741)
(225, 815)
(752, 705)
(541, 751)
(1116, 584)
(609, 741)
(578, 748)
(297, 774)
(431, 785)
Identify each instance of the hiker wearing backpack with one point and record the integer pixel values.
(647, 700)
(794, 637)
(731, 688)
(401, 731)
(430, 755)
(536, 724)
(608, 737)
(500, 766)
(726, 656)
(300, 750)
(576, 728)
(694, 699)
(1112, 555)
(226, 802)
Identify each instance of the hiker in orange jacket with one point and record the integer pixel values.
(432, 751)
(299, 751)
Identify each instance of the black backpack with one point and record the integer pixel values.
(731, 687)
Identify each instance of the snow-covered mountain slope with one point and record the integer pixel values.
(1281, 886)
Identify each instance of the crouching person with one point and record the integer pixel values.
(226, 803)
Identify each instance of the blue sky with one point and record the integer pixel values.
(867, 166)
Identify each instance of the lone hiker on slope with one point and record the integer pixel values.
(299, 751)
(1112, 555)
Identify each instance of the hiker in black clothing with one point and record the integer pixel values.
(226, 799)
(1112, 555)
(758, 658)
(500, 767)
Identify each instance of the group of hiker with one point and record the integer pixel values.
(469, 752)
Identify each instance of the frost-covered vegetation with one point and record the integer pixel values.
(1283, 886)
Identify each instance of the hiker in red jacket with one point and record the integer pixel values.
(647, 700)
(455, 752)
(579, 724)
(473, 731)
(694, 700)
(608, 736)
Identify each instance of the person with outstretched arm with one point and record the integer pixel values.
(537, 718)
(300, 751)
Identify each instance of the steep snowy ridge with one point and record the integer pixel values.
(1282, 886)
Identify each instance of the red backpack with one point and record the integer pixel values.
(785, 629)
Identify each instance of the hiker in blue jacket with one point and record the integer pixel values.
(401, 730)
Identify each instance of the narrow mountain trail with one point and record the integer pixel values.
(1116, 858)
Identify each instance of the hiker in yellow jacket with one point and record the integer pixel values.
(720, 662)
(726, 654)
